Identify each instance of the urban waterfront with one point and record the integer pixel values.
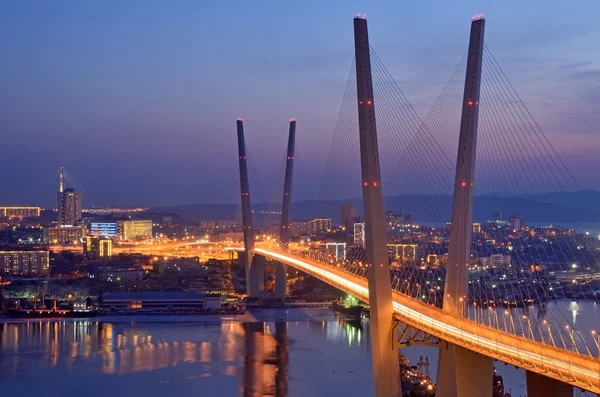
(283, 352)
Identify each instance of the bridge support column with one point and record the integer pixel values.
(463, 373)
(284, 236)
(258, 275)
(542, 386)
(281, 281)
(252, 286)
(386, 368)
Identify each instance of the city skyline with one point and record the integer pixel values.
(143, 116)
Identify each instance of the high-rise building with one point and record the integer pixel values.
(516, 222)
(320, 225)
(476, 228)
(497, 216)
(359, 234)
(24, 263)
(135, 229)
(69, 204)
(97, 248)
(349, 215)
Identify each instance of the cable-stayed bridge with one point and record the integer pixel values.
(412, 304)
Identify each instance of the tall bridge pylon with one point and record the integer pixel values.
(284, 236)
(462, 373)
(252, 284)
(386, 369)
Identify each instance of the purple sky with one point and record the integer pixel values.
(138, 99)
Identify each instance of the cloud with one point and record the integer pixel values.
(584, 74)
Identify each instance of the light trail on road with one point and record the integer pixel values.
(568, 367)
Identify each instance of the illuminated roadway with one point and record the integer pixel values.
(566, 366)
(181, 248)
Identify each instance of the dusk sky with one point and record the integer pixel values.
(138, 99)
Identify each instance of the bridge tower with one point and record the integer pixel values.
(252, 284)
(386, 368)
(462, 373)
(284, 236)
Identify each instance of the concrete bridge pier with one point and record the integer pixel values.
(280, 281)
(258, 275)
(543, 386)
(463, 373)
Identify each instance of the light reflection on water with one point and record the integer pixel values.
(313, 354)
(157, 359)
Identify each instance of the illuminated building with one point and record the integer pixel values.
(69, 204)
(24, 263)
(476, 227)
(320, 225)
(97, 248)
(231, 237)
(20, 212)
(393, 220)
(104, 229)
(496, 260)
(349, 215)
(404, 252)
(155, 300)
(226, 224)
(516, 222)
(66, 234)
(28, 235)
(337, 250)
(180, 264)
(112, 210)
(118, 273)
(300, 228)
(135, 229)
(359, 234)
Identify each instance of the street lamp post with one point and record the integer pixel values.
(596, 338)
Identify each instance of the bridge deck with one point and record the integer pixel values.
(566, 366)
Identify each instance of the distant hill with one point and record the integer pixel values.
(588, 199)
(553, 207)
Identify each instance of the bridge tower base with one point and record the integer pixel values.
(543, 386)
(280, 281)
(463, 373)
(258, 275)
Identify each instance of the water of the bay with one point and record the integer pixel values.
(295, 352)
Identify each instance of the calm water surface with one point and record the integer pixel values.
(296, 352)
